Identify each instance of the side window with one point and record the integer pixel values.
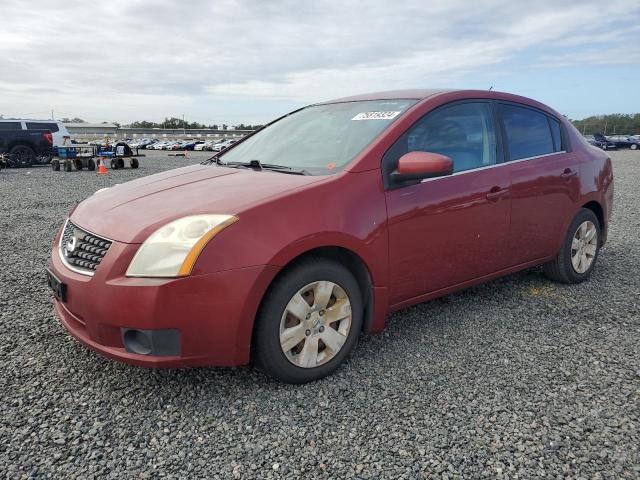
(555, 133)
(528, 132)
(463, 132)
(10, 126)
(42, 126)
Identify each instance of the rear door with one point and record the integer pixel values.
(544, 181)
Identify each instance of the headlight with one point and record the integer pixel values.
(172, 250)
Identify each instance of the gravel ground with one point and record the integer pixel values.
(518, 378)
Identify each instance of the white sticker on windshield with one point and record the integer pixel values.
(376, 115)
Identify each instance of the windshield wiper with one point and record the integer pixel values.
(215, 159)
(257, 165)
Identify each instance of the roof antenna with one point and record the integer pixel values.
(491, 88)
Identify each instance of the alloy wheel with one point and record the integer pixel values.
(584, 246)
(315, 324)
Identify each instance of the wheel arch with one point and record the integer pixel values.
(598, 211)
(20, 143)
(345, 256)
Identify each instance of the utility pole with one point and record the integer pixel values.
(52, 114)
(184, 127)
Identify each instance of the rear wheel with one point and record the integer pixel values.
(114, 164)
(78, 164)
(91, 164)
(22, 156)
(120, 162)
(579, 251)
(634, 146)
(67, 166)
(55, 165)
(309, 321)
(134, 163)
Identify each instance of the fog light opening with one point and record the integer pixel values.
(137, 342)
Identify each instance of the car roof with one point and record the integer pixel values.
(451, 94)
(415, 94)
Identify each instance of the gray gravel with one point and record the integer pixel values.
(520, 377)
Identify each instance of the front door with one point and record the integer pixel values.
(448, 230)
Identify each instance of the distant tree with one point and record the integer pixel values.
(144, 124)
(225, 126)
(73, 120)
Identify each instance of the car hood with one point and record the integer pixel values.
(131, 211)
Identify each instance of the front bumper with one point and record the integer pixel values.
(213, 313)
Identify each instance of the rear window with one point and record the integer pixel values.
(528, 132)
(42, 126)
(10, 126)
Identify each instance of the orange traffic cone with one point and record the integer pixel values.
(102, 170)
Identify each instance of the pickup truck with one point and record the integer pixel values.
(24, 148)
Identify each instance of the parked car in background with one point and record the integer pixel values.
(25, 147)
(58, 131)
(288, 245)
(191, 145)
(600, 141)
(202, 146)
(624, 141)
(218, 147)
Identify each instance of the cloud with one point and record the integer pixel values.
(126, 60)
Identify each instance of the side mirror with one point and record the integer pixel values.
(416, 166)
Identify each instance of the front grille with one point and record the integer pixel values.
(80, 250)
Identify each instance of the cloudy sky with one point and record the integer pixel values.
(249, 61)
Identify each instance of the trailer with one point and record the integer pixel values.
(83, 156)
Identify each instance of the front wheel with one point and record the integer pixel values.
(309, 322)
(634, 146)
(579, 250)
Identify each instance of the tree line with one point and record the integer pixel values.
(174, 123)
(612, 124)
(177, 123)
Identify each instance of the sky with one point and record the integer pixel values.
(250, 61)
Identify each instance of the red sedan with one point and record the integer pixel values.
(284, 248)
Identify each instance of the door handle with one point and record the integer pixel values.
(496, 193)
(568, 173)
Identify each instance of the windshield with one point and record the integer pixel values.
(320, 139)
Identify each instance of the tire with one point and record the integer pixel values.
(78, 164)
(562, 268)
(634, 146)
(114, 164)
(91, 164)
(312, 274)
(120, 162)
(22, 156)
(55, 165)
(134, 163)
(67, 166)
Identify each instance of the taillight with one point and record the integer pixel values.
(48, 137)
